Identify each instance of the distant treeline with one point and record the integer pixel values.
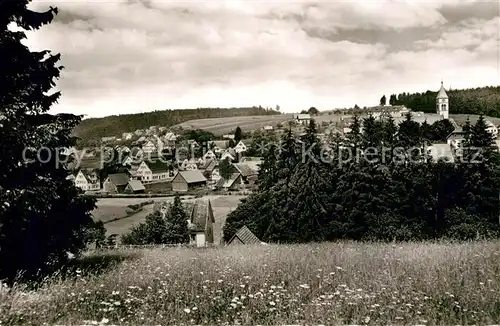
(481, 100)
(96, 128)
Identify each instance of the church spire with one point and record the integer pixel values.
(442, 92)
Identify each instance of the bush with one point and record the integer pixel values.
(464, 226)
(159, 229)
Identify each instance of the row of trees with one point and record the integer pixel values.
(481, 100)
(395, 192)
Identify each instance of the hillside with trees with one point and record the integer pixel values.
(96, 128)
(481, 100)
(376, 184)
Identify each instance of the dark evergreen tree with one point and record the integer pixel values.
(238, 134)
(393, 99)
(442, 129)
(42, 215)
(383, 100)
(226, 168)
(176, 230)
(268, 170)
(427, 132)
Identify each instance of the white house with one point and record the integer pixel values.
(209, 155)
(268, 128)
(190, 165)
(149, 147)
(127, 135)
(491, 129)
(152, 172)
(227, 154)
(87, 181)
(303, 118)
(227, 136)
(128, 160)
(240, 147)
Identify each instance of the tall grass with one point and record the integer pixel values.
(328, 283)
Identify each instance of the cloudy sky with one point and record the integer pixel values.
(134, 56)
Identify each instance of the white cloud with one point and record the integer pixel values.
(123, 57)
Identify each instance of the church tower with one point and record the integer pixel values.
(442, 103)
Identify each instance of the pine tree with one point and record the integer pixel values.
(42, 215)
(410, 139)
(383, 100)
(268, 173)
(309, 213)
(176, 223)
(238, 134)
(225, 168)
(427, 132)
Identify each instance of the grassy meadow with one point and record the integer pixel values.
(328, 283)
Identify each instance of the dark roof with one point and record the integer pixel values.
(208, 165)
(119, 179)
(245, 236)
(386, 108)
(245, 169)
(192, 176)
(222, 144)
(90, 175)
(198, 212)
(201, 212)
(228, 183)
(157, 166)
(136, 185)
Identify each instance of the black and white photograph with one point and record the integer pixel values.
(249, 162)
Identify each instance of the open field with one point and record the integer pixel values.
(328, 283)
(220, 126)
(111, 208)
(221, 206)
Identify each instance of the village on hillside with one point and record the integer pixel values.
(163, 160)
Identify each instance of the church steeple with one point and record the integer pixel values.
(442, 102)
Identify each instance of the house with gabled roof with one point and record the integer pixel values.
(129, 160)
(240, 147)
(209, 155)
(190, 164)
(127, 135)
(188, 180)
(207, 167)
(248, 174)
(244, 237)
(193, 143)
(87, 180)
(200, 220)
(229, 154)
(153, 171)
(150, 147)
(135, 187)
(219, 146)
(234, 182)
(116, 183)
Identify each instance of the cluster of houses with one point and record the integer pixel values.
(144, 167)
